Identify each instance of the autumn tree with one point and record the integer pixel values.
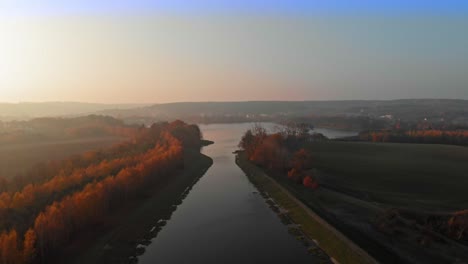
(295, 175)
(271, 152)
(84, 190)
(247, 143)
(280, 151)
(9, 251)
(29, 246)
(301, 160)
(310, 182)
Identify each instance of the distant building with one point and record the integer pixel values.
(388, 116)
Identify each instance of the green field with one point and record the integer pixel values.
(328, 240)
(410, 175)
(362, 182)
(17, 158)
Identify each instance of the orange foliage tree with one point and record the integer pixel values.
(281, 152)
(74, 199)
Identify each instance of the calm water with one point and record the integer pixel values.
(223, 219)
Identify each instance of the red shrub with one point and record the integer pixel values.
(309, 182)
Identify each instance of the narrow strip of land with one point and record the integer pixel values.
(332, 241)
(134, 223)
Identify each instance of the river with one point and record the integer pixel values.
(223, 219)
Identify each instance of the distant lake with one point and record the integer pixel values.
(223, 219)
(333, 133)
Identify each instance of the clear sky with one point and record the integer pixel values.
(215, 50)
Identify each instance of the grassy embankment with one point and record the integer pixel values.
(138, 222)
(329, 240)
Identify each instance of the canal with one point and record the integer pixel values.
(224, 219)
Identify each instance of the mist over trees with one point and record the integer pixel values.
(67, 197)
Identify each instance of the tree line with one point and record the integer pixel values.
(283, 152)
(429, 136)
(41, 217)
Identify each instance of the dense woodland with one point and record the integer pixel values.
(285, 151)
(426, 136)
(55, 201)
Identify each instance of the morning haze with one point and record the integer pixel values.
(178, 55)
(246, 131)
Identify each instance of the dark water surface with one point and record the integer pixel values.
(223, 219)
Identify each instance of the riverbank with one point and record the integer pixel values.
(224, 219)
(335, 244)
(120, 240)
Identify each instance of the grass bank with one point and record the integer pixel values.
(329, 239)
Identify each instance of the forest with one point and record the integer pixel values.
(283, 151)
(55, 201)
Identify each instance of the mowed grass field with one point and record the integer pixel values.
(433, 177)
(17, 158)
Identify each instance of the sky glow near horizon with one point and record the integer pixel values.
(165, 51)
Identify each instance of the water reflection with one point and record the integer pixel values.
(161, 221)
(224, 219)
(126, 244)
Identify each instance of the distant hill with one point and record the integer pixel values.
(15, 111)
(240, 108)
(406, 109)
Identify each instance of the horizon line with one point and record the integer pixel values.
(221, 101)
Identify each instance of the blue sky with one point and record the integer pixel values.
(46, 7)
